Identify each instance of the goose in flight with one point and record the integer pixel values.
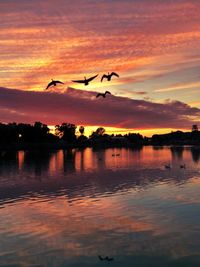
(103, 94)
(109, 76)
(54, 83)
(86, 81)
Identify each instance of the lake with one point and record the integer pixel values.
(64, 208)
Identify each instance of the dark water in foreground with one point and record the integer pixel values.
(65, 208)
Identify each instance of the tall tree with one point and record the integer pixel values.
(81, 130)
(100, 131)
(66, 131)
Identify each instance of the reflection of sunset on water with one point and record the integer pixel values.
(107, 196)
(77, 204)
(78, 160)
(21, 159)
(56, 162)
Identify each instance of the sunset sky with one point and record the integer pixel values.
(154, 45)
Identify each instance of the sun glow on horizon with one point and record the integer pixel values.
(117, 131)
(123, 131)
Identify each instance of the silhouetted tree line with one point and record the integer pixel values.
(67, 134)
(176, 138)
(25, 133)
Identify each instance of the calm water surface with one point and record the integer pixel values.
(64, 208)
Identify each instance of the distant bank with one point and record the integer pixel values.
(22, 136)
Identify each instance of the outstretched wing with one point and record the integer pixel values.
(79, 81)
(99, 94)
(92, 78)
(58, 82)
(107, 92)
(50, 84)
(104, 76)
(114, 73)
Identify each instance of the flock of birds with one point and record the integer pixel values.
(168, 166)
(87, 81)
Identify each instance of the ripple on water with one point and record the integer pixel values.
(66, 212)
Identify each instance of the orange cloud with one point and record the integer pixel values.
(46, 42)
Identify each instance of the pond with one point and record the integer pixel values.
(66, 208)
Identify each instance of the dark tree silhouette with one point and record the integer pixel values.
(194, 128)
(40, 131)
(66, 131)
(8, 133)
(135, 138)
(25, 133)
(81, 130)
(100, 131)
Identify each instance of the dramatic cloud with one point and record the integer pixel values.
(82, 107)
(153, 45)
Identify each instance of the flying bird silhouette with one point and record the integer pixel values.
(85, 81)
(109, 76)
(54, 83)
(103, 94)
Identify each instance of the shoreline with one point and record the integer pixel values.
(65, 146)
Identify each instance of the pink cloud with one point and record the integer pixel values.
(41, 40)
(82, 107)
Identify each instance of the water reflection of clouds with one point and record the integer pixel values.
(88, 172)
(92, 160)
(109, 226)
(87, 202)
(81, 230)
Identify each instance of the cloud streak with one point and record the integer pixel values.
(42, 40)
(82, 107)
(179, 86)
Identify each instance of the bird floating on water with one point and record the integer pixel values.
(109, 76)
(85, 81)
(54, 83)
(103, 94)
(115, 155)
(167, 166)
(182, 166)
(105, 259)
